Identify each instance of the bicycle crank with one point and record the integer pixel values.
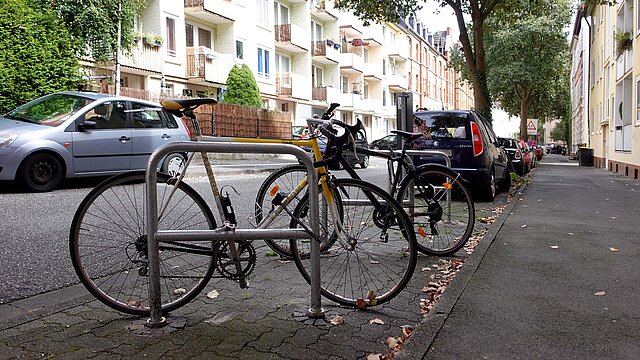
(227, 267)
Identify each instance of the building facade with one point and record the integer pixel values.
(304, 56)
(604, 63)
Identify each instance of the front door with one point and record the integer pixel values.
(108, 146)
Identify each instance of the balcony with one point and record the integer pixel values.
(350, 100)
(398, 82)
(323, 11)
(324, 53)
(283, 84)
(373, 71)
(211, 11)
(292, 38)
(624, 63)
(325, 94)
(399, 52)
(143, 57)
(370, 105)
(351, 63)
(207, 65)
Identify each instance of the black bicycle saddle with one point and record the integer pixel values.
(179, 104)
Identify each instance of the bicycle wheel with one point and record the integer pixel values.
(440, 209)
(284, 180)
(108, 244)
(374, 257)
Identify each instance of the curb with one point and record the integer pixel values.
(427, 330)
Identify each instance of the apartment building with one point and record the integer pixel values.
(304, 55)
(605, 37)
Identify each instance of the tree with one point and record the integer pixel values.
(36, 54)
(527, 60)
(93, 24)
(242, 88)
(471, 39)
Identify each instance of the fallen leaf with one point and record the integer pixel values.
(392, 342)
(539, 199)
(571, 234)
(375, 262)
(554, 246)
(612, 249)
(283, 261)
(600, 293)
(338, 320)
(179, 291)
(524, 226)
(407, 330)
(374, 357)
(426, 269)
(213, 294)
(376, 321)
(613, 217)
(361, 304)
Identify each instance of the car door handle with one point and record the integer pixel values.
(124, 139)
(166, 136)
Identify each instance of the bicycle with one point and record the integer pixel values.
(108, 240)
(436, 198)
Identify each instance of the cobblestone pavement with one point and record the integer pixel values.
(253, 323)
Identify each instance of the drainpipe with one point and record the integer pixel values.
(588, 108)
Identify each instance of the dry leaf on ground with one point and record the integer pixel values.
(376, 321)
(213, 294)
(374, 357)
(600, 293)
(338, 320)
(612, 249)
(554, 246)
(392, 342)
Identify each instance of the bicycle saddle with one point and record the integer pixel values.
(179, 104)
(409, 136)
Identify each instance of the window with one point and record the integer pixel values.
(366, 90)
(204, 38)
(187, 92)
(318, 76)
(384, 66)
(263, 64)
(171, 36)
(316, 31)
(145, 118)
(384, 97)
(189, 34)
(345, 84)
(283, 64)
(239, 50)
(638, 100)
(280, 14)
(108, 115)
(262, 7)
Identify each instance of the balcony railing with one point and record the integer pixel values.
(283, 84)
(143, 57)
(206, 64)
(283, 32)
(319, 93)
(291, 37)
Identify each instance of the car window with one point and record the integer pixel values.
(145, 117)
(50, 110)
(108, 115)
(435, 125)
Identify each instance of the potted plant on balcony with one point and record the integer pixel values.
(623, 42)
(329, 42)
(154, 40)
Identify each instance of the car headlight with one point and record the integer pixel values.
(6, 139)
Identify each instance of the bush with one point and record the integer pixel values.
(36, 54)
(242, 88)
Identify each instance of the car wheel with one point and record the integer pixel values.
(489, 190)
(40, 172)
(365, 162)
(173, 163)
(505, 184)
(375, 147)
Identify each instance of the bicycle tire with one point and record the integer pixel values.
(384, 265)
(107, 242)
(454, 226)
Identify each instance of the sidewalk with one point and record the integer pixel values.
(559, 281)
(526, 292)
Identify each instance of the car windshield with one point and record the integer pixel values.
(443, 125)
(51, 110)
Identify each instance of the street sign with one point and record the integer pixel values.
(532, 127)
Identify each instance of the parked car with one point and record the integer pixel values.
(471, 144)
(514, 151)
(529, 158)
(73, 134)
(389, 141)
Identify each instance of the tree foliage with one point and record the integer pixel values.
(378, 11)
(242, 88)
(527, 57)
(36, 54)
(93, 24)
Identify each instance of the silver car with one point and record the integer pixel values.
(73, 134)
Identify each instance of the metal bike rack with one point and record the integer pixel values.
(154, 235)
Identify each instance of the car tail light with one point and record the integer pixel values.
(477, 139)
(186, 127)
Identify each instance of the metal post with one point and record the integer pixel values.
(222, 145)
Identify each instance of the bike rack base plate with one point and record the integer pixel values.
(301, 316)
(141, 327)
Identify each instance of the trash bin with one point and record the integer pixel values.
(585, 156)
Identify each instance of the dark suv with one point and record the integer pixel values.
(471, 144)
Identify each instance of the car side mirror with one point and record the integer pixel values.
(87, 125)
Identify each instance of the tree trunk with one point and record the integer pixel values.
(524, 113)
(481, 95)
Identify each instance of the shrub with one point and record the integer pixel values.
(242, 88)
